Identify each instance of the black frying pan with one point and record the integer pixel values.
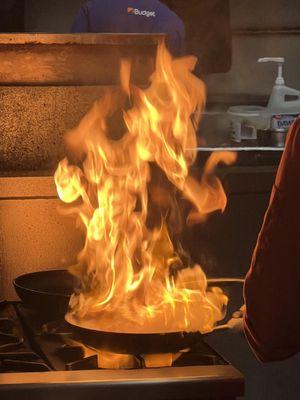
(48, 292)
(137, 343)
(142, 343)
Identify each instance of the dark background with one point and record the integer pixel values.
(12, 15)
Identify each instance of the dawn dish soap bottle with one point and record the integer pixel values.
(266, 126)
(283, 106)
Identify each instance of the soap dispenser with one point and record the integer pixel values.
(284, 102)
(268, 125)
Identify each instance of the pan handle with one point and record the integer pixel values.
(216, 281)
(222, 327)
(218, 328)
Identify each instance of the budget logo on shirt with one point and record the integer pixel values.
(144, 13)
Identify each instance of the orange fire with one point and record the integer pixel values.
(124, 267)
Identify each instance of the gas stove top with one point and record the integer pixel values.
(42, 358)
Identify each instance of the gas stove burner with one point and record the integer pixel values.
(8, 365)
(58, 329)
(21, 355)
(86, 363)
(7, 325)
(8, 341)
(47, 352)
(70, 353)
(61, 349)
(10, 338)
(15, 355)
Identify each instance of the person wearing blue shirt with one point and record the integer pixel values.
(131, 16)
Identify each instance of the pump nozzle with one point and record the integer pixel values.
(280, 62)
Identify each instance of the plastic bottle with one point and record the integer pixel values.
(284, 102)
(274, 120)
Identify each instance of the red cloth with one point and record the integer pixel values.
(272, 286)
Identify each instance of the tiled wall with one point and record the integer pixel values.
(34, 235)
(33, 121)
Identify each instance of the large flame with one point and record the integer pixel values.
(129, 253)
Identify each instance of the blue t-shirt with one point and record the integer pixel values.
(131, 16)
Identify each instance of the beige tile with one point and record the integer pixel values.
(34, 236)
